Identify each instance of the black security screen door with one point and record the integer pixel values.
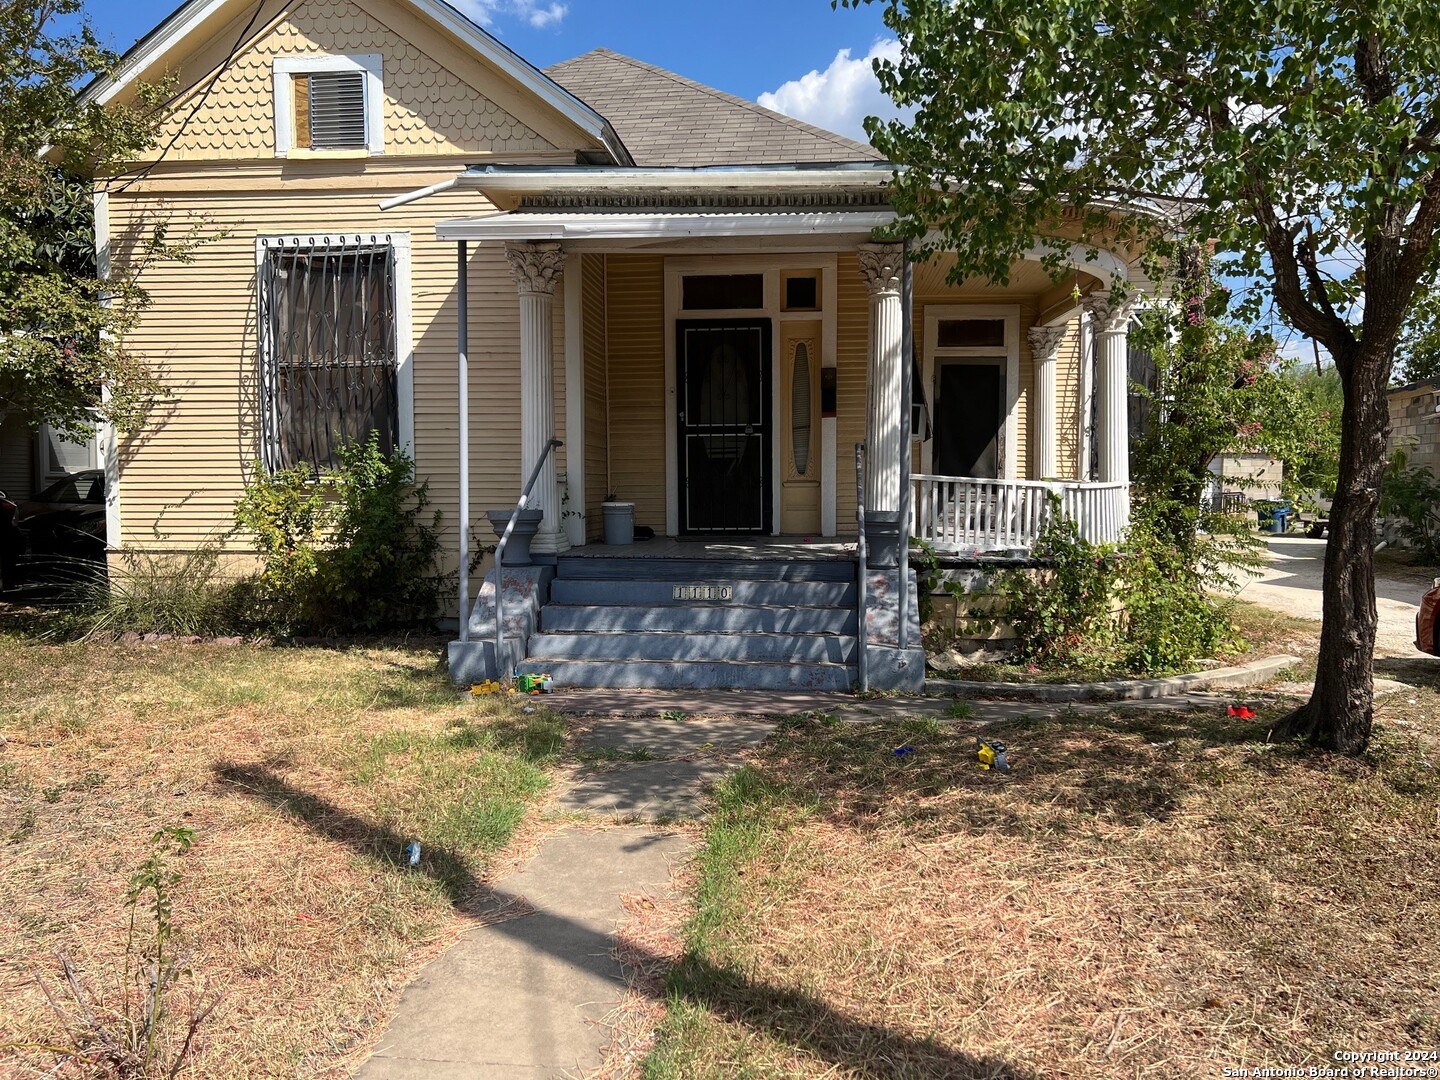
(968, 415)
(724, 389)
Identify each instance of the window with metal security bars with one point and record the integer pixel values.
(328, 348)
(330, 110)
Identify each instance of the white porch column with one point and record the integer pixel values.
(1111, 326)
(880, 266)
(1044, 349)
(537, 269)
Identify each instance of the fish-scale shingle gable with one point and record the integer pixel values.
(665, 119)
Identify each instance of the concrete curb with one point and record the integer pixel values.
(1251, 674)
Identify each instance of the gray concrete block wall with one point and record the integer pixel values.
(1415, 426)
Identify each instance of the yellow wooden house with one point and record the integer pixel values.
(414, 231)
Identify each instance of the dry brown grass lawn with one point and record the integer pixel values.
(1264, 632)
(302, 773)
(1138, 897)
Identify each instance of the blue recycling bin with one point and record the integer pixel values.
(1274, 517)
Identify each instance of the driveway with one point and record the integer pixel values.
(1291, 583)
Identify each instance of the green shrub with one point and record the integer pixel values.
(349, 551)
(1142, 608)
(1169, 618)
(182, 594)
(1062, 613)
(1411, 493)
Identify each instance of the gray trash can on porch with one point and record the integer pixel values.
(619, 522)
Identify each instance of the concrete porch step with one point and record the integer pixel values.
(567, 590)
(699, 619)
(667, 675)
(626, 568)
(681, 647)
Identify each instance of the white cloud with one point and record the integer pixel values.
(535, 12)
(840, 97)
(539, 15)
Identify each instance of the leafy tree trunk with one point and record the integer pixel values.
(1340, 711)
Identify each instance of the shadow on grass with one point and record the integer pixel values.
(797, 1019)
(792, 1016)
(382, 845)
(1420, 671)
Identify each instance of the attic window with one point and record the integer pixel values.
(325, 104)
(330, 110)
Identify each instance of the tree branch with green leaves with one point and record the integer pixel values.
(1289, 135)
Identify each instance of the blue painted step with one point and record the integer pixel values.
(703, 619)
(678, 647)
(662, 593)
(700, 570)
(711, 675)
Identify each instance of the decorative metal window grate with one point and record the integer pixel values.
(337, 110)
(327, 346)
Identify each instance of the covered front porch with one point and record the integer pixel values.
(731, 353)
(715, 366)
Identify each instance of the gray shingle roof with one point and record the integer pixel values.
(665, 119)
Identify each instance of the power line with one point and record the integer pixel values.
(199, 101)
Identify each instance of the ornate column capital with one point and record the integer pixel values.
(536, 268)
(1045, 341)
(880, 266)
(1108, 317)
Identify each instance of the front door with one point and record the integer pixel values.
(723, 384)
(969, 418)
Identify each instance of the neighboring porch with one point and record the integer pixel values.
(966, 515)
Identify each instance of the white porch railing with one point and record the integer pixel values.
(964, 514)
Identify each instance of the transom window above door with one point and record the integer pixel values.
(970, 333)
(722, 292)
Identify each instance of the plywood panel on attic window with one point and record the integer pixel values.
(301, 98)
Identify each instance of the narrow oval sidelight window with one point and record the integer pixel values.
(800, 408)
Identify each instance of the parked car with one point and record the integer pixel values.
(1427, 634)
(63, 522)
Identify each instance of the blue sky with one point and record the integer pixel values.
(812, 62)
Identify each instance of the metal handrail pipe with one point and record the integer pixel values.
(907, 398)
(862, 571)
(551, 446)
(462, 357)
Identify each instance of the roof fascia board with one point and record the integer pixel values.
(564, 180)
(152, 48)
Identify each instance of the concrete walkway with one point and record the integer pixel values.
(529, 996)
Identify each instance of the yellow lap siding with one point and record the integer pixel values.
(597, 421)
(182, 472)
(852, 343)
(1067, 402)
(636, 346)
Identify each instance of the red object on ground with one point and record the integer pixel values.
(1425, 622)
(1244, 712)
